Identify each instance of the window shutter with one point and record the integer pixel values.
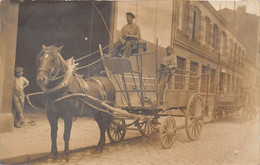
(230, 48)
(218, 40)
(210, 32)
(224, 45)
(189, 21)
(201, 28)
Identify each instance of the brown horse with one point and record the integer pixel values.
(51, 65)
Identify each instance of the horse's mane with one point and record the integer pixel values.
(55, 52)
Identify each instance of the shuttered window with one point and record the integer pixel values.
(239, 56)
(201, 28)
(230, 49)
(179, 76)
(213, 81)
(235, 54)
(203, 87)
(210, 34)
(223, 48)
(216, 37)
(194, 24)
(193, 81)
(189, 20)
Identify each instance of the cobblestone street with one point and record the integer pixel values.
(226, 142)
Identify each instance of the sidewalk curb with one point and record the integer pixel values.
(42, 156)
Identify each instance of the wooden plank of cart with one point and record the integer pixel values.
(137, 94)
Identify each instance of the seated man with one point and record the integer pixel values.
(169, 63)
(130, 35)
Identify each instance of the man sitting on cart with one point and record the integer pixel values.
(167, 67)
(128, 40)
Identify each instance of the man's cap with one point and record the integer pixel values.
(131, 14)
(18, 69)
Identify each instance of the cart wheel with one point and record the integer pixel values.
(167, 132)
(146, 127)
(117, 130)
(194, 118)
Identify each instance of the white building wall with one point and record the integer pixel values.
(154, 18)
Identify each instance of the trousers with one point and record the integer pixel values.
(125, 48)
(18, 102)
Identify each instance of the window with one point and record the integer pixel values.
(213, 81)
(193, 82)
(194, 24)
(239, 56)
(228, 83)
(230, 49)
(223, 47)
(189, 20)
(208, 32)
(179, 76)
(216, 37)
(235, 54)
(222, 82)
(201, 24)
(203, 87)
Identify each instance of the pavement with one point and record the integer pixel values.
(32, 141)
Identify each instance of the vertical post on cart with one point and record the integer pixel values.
(156, 70)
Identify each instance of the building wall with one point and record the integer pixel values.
(9, 24)
(154, 18)
(211, 40)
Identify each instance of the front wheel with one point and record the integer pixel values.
(167, 132)
(147, 127)
(194, 117)
(117, 130)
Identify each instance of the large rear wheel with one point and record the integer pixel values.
(194, 117)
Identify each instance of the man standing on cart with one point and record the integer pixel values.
(129, 37)
(167, 67)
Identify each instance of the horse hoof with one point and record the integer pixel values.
(66, 153)
(53, 155)
(99, 149)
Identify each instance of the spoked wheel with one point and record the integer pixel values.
(117, 130)
(147, 127)
(168, 132)
(194, 117)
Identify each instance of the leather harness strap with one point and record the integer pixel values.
(104, 96)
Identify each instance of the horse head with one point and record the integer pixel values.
(50, 63)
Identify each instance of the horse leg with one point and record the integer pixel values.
(102, 128)
(68, 118)
(54, 127)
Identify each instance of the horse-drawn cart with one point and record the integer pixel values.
(137, 95)
(242, 105)
(131, 95)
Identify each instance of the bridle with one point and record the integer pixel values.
(51, 72)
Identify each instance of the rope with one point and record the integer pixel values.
(88, 55)
(91, 28)
(103, 21)
(88, 65)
